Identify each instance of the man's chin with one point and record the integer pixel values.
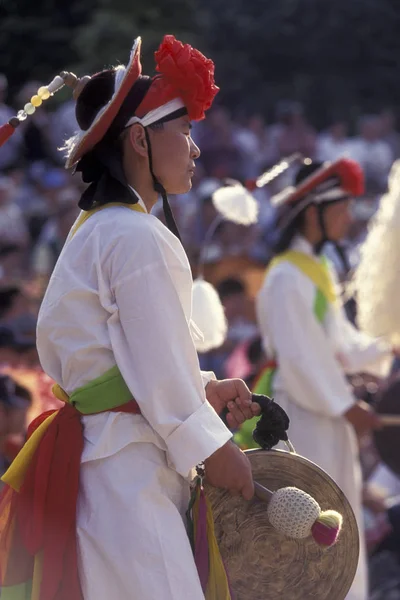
(181, 189)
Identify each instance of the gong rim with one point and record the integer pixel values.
(263, 563)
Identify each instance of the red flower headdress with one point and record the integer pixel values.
(185, 73)
(350, 182)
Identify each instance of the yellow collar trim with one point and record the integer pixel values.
(86, 214)
(317, 271)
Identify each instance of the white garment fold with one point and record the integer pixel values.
(132, 543)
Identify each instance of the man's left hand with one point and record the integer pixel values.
(234, 395)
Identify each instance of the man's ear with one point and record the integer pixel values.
(138, 140)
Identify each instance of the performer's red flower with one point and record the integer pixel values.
(351, 176)
(184, 72)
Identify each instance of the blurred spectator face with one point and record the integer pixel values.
(14, 403)
(233, 297)
(235, 306)
(221, 169)
(9, 357)
(290, 113)
(209, 212)
(66, 220)
(28, 359)
(54, 183)
(68, 210)
(19, 359)
(339, 131)
(11, 261)
(256, 124)
(3, 420)
(6, 190)
(219, 118)
(230, 233)
(16, 420)
(204, 192)
(13, 303)
(370, 129)
(297, 119)
(388, 121)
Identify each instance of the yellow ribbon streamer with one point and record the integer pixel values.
(217, 584)
(15, 474)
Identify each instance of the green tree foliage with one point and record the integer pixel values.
(108, 36)
(340, 56)
(35, 37)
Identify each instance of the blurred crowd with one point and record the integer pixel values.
(39, 203)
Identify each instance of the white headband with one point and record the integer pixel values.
(317, 197)
(158, 113)
(328, 196)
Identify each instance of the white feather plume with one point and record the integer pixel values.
(236, 204)
(376, 280)
(209, 316)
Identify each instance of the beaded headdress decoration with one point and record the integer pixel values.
(43, 94)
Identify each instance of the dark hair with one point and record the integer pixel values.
(94, 96)
(230, 287)
(12, 394)
(98, 92)
(305, 171)
(7, 297)
(255, 350)
(285, 236)
(7, 249)
(23, 392)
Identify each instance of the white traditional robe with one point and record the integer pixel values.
(121, 293)
(310, 382)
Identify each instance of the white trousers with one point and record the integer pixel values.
(132, 541)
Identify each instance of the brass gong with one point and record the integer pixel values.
(261, 562)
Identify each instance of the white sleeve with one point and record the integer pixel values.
(307, 365)
(207, 376)
(359, 352)
(164, 375)
(196, 334)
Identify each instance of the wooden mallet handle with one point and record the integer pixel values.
(261, 492)
(390, 420)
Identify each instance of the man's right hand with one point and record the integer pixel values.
(363, 418)
(229, 468)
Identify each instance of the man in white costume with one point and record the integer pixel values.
(115, 333)
(314, 346)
